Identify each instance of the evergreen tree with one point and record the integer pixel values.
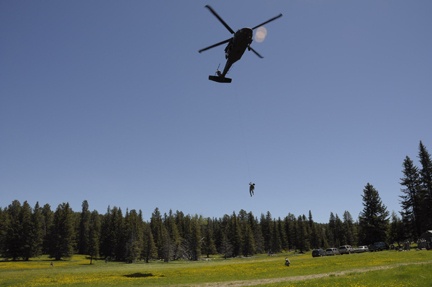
(47, 222)
(13, 239)
(149, 248)
(113, 235)
(234, 235)
(84, 229)
(156, 228)
(349, 229)
(107, 243)
(282, 235)
(314, 238)
(4, 226)
(340, 238)
(302, 235)
(411, 200)
(426, 183)
(396, 231)
(331, 231)
(118, 232)
(275, 243)
(267, 230)
(321, 231)
(208, 246)
(62, 233)
(166, 250)
(134, 233)
(26, 235)
(195, 239)
(246, 233)
(37, 231)
(290, 230)
(257, 233)
(373, 220)
(248, 247)
(226, 247)
(175, 239)
(94, 235)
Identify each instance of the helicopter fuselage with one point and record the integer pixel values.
(236, 48)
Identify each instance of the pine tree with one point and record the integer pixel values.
(275, 243)
(302, 235)
(246, 233)
(62, 233)
(331, 231)
(208, 246)
(314, 239)
(373, 220)
(94, 235)
(226, 247)
(340, 238)
(195, 239)
(118, 233)
(26, 234)
(235, 236)
(426, 183)
(47, 222)
(133, 233)
(290, 230)
(4, 226)
(37, 230)
(267, 230)
(113, 235)
(411, 200)
(349, 229)
(175, 239)
(249, 247)
(156, 228)
(84, 229)
(396, 230)
(257, 233)
(106, 242)
(149, 248)
(13, 240)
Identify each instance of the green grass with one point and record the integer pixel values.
(396, 269)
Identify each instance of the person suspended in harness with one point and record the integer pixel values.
(251, 188)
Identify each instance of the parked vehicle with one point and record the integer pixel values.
(378, 246)
(318, 252)
(332, 251)
(345, 249)
(361, 249)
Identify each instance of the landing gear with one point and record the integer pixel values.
(220, 78)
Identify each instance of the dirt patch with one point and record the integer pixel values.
(139, 275)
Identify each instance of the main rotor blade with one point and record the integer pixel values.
(256, 53)
(219, 18)
(268, 21)
(215, 45)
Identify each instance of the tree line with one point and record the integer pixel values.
(27, 232)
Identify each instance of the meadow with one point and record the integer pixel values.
(387, 268)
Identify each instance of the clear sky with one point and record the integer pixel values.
(109, 101)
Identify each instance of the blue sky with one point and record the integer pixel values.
(108, 101)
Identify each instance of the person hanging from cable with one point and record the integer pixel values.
(251, 188)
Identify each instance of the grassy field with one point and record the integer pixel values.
(387, 268)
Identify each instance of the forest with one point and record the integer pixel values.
(27, 231)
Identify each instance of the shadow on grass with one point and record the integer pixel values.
(139, 275)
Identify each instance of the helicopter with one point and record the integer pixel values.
(237, 45)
